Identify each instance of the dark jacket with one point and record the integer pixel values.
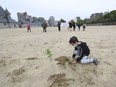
(44, 25)
(83, 51)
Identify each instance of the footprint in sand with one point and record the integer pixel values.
(17, 75)
(2, 63)
(32, 58)
(59, 80)
(107, 63)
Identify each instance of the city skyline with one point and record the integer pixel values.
(66, 9)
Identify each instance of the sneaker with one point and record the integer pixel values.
(95, 61)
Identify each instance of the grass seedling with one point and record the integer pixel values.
(49, 54)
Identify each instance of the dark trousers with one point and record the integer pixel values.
(44, 29)
(59, 28)
(74, 28)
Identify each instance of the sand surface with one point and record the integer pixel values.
(24, 62)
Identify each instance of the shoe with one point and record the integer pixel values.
(95, 61)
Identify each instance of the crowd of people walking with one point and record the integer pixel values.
(71, 26)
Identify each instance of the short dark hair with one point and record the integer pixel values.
(73, 39)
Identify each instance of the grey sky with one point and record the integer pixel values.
(66, 9)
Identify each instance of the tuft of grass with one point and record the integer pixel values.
(49, 53)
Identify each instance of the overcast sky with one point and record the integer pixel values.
(66, 9)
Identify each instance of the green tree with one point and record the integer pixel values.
(79, 21)
(62, 20)
(110, 16)
(113, 16)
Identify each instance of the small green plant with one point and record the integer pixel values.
(49, 53)
(68, 60)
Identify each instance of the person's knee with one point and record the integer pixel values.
(82, 61)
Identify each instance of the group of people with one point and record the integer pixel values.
(72, 24)
(44, 25)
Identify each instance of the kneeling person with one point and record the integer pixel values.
(81, 52)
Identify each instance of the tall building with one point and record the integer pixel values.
(95, 16)
(5, 19)
(51, 21)
(23, 18)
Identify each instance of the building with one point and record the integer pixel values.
(24, 18)
(95, 16)
(51, 21)
(5, 19)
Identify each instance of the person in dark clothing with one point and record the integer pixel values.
(59, 26)
(84, 26)
(79, 26)
(81, 52)
(74, 26)
(70, 26)
(20, 26)
(44, 25)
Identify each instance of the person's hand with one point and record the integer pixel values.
(74, 62)
(73, 59)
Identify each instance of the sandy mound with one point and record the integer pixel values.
(59, 80)
(62, 60)
(17, 75)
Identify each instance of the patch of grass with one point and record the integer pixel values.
(49, 53)
(62, 60)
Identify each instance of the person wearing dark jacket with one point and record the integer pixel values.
(70, 26)
(59, 26)
(74, 25)
(81, 52)
(44, 25)
(84, 26)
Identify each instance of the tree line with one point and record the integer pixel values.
(108, 18)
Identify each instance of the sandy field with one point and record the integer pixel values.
(24, 62)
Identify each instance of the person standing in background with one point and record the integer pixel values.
(59, 26)
(44, 25)
(84, 26)
(74, 26)
(28, 27)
